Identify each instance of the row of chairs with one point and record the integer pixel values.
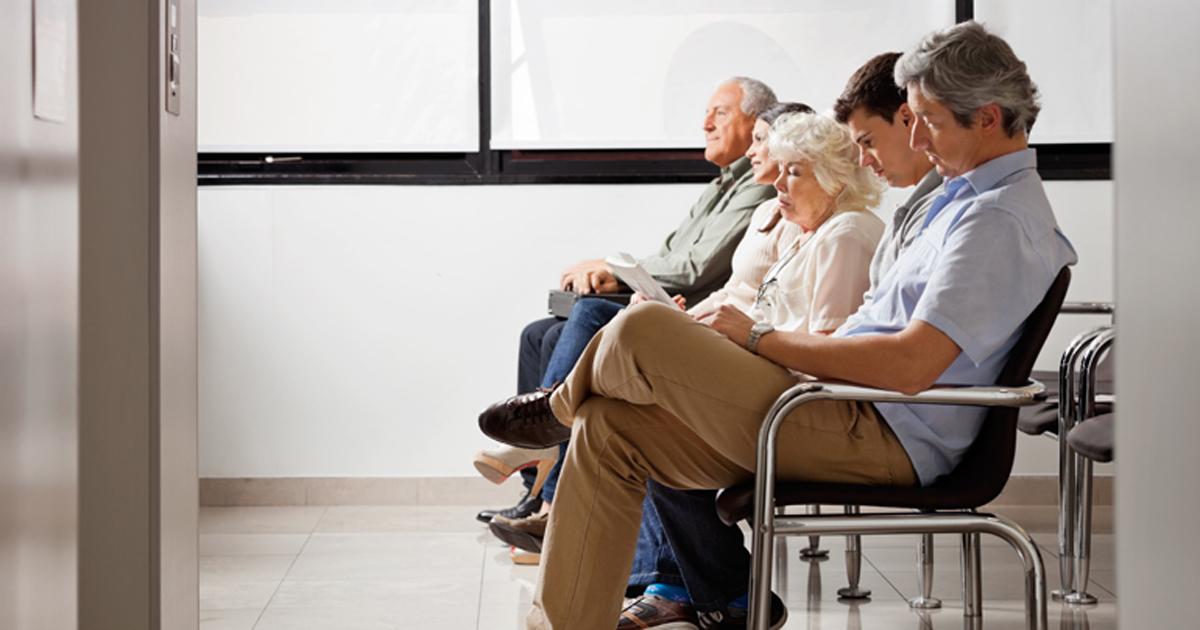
(951, 504)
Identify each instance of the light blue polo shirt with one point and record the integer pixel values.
(987, 253)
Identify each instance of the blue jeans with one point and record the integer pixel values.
(538, 341)
(587, 316)
(654, 561)
(710, 555)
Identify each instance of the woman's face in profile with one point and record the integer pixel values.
(765, 169)
(801, 198)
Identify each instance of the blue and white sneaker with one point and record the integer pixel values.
(735, 618)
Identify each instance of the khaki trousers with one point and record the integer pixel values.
(658, 395)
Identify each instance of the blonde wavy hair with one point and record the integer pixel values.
(828, 146)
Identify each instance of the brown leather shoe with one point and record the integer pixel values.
(525, 420)
(526, 534)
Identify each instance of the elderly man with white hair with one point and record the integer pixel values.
(659, 395)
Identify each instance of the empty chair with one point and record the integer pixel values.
(1094, 436)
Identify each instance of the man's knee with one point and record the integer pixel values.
(641, 323)
(550, 339)
(595, 311)
(534, 332)
(598, 421)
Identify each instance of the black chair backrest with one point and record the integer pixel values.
(985, 468)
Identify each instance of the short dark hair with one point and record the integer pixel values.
(872, 87)
(769, 114)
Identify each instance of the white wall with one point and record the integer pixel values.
(358, 331)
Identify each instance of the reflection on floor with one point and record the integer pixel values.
(385, 567)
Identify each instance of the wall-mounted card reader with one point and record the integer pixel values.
(173, 63)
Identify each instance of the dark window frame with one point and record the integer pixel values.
(491, 166)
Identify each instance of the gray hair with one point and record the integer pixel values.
(756, 96)
(965, 67)
(825, 143)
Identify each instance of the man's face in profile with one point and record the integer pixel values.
(727, 129)
(884, 146)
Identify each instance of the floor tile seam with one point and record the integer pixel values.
(483, 562)
(1104, 588)
(292, 565)
(883, 575)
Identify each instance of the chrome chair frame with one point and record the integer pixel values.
(767, 526)
(1075, 471)
(924, 599)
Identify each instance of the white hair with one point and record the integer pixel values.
(826, 144)
(756, 96)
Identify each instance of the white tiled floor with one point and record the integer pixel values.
(367, 568)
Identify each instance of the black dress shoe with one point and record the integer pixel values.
(526, 507)
(525, 420)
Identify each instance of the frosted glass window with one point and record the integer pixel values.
(638, 74)
(1067, 45)
(338, 75)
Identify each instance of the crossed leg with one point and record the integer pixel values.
(657, 395)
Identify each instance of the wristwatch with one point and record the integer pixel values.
(756, 333)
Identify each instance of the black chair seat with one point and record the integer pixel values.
(1043, 418)
(736, 503)
(1093, 438)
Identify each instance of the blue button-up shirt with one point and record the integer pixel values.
(987, 253)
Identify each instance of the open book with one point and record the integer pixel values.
(627, 270)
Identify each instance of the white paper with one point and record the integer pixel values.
(50, 60)
(627, 270)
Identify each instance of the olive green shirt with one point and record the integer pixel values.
(696, 258)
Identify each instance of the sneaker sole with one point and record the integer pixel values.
(676, 625)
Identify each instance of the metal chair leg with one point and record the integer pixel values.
(781, 559)
(1070, 403)
(1082, 548)
(972, 580)
(813, 550)
(925, 599)
(853, 564)
(1083, 536)
(1066, 475)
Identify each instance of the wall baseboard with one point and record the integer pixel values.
(1028, 490)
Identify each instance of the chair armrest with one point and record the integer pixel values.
(1095, 308)
(969, 395)
(1031, 393)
